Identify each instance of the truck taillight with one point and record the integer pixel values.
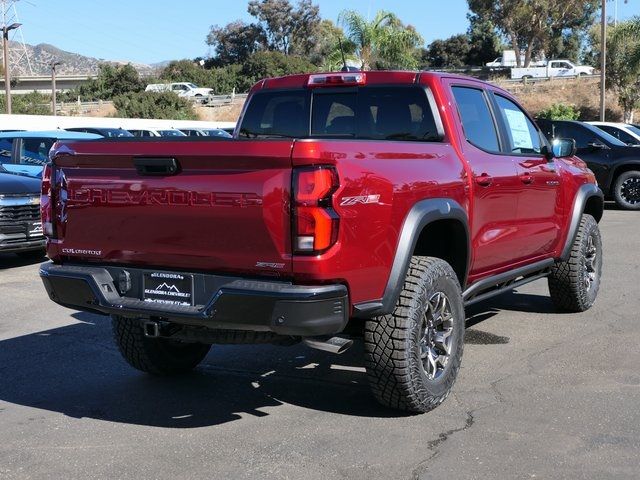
(315, 222)
(46, 202)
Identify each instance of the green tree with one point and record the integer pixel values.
(484, 42)
(236, 41)
(384, 42)
(222, 80)
(120, 79)
(288, 29)
(326, 52)
(112, 80)
(225, 80)
(530, 25)
(566, 44)
(186, 71)
(163, 105)
(271, 64)
(450, 53)
(623, 65)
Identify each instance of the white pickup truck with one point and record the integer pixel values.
(553, 68)
(183, 89)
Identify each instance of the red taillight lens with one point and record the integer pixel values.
(46, 202)
(313, 185)
(315, 222)
(46, 179)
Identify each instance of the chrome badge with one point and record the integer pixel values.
(360, 199)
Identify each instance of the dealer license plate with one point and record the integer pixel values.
(168, 288)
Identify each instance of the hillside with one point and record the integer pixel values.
(584, 94)
(42, 55)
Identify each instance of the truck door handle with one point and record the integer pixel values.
(484, 180)
(156, 166)
(526, 178)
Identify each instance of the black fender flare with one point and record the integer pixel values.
(585, 192)
(421, 214)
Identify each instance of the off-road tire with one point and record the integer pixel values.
(393, 360)
(619, 194)
(157, 356)
(568, 282)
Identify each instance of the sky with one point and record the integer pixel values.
(150, 31)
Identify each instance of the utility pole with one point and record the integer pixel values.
(53, 85)
(5, 47)
(603, 60)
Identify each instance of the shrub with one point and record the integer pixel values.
(162, 105)
(559, 111)
(33, 103)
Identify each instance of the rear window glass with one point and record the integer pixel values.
(379, 113)
(277, 114)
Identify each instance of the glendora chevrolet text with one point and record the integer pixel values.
(370, 204)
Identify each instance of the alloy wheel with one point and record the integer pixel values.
(436, 338)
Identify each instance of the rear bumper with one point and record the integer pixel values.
(221, 302)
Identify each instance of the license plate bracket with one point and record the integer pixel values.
(168, 288)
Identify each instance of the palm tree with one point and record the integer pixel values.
(383, 41)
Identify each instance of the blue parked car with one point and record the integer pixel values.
(26, 153)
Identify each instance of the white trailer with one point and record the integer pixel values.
(508, 59)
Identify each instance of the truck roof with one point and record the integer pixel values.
(372, 77)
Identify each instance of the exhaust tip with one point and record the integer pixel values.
(335, 345)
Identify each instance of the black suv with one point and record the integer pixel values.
(20, 225)
(615, 164)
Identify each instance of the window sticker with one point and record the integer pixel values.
(519, 129)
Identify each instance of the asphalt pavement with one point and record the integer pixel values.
(540, 395)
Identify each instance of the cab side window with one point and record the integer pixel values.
(477, 121)
(6, 145)
(522, 134)
(620, 134)
(35, 151)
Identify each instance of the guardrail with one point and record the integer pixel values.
(525, 81)
(210, 101)
(218, 100)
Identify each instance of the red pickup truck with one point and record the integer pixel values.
(375, 202)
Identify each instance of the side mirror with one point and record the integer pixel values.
(563, 147)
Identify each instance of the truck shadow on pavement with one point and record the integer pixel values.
(9, 260)
(76, 370)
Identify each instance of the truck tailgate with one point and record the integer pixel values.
(226, 207)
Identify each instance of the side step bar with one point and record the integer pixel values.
(503, 282)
